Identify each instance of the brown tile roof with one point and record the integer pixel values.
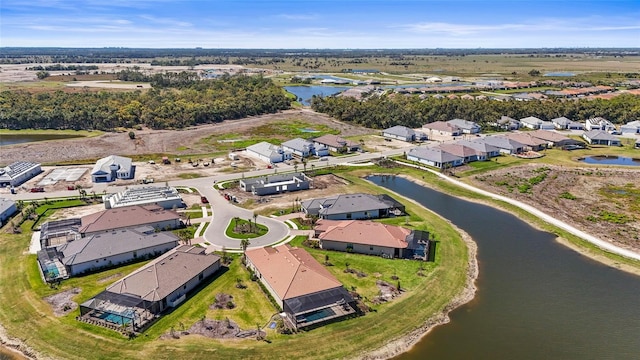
(126, 216)
(526, 139)
(367, 233)
(166, 274)
(441, 126)
(291, 272)
(547, 135)
(335, 141)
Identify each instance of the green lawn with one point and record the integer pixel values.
(242, 223)
(27, 316)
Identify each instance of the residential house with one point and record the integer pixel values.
(506, 123)
(127, 217)
(336, 144)
(506, 145)
(7, 209)
(166, 197)
(353, 206)
(304, 148)
(399, 132)
(104, 250)
(468, 154)
(637, 144)
(434, 157)
(533, 122)
(600, 137)
(562, 123)
(484, 150)
(442, 128)
(529, 142)
(372, 238)
(140, 297)
(18, 172)
(599, 123)
(553, 139)
(111, 168)
(275, 184)
(305, 290)
(269, 153)
(632, 127)
(467, 127)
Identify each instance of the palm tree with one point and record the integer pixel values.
(244, 244)
(255, 221)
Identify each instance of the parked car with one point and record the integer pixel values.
(37, 189)
(204, 200)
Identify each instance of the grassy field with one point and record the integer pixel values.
(28, 317)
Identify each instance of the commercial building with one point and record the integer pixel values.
(18, 173)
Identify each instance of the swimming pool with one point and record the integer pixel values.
(116, 319)
(315, 315)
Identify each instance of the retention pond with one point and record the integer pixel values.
(536, 299)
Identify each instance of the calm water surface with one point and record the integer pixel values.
(25, 138)
(306, 92)
(536, 299)
(612, 160)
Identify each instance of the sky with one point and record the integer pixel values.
(320, 24)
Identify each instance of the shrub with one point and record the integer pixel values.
(567, 195)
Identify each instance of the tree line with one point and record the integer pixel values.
(386, 111)
(176, 101)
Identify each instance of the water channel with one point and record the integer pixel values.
(25, 138)
(536, 299)
(307, 92)
(611, 160)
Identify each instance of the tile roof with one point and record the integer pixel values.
(400, 130)
(335, 141)
(126, 216)
(103, 165)
(459, 149)
(441, 126)
(548, 135)
(433, 154)
(291, 272)
(526, 139)
(166, 274)
(299, 144)
(109, 244)
(479, 146)
(364, 232)
(600, 135)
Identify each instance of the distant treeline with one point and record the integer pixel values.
(384, 111)
(176, 102)
(12, 55)
(60, 67)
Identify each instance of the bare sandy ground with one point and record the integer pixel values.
(158, 141)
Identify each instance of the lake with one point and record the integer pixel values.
(559, 74)
(306, 92)
(13, 139)
(611, 160)
(536, 299)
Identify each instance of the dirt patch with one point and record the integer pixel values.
(62, 303)
(216, 329)
(223, 301)
(602, 202)
(178, 142)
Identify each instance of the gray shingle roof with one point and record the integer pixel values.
(102, 165)
(434, 155)
(400, 130)
(298, 144)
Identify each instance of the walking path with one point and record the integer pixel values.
(530, 209)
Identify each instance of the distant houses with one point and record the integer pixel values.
(372, 238)
(534, 123)
(506, 123)
(308, 294)
(336, 143)
(442, 128)
(304, 148)
(111, 168)
(18, 172)
(562, 123)
(402, 133)
(7, 209)
(467, 127)
(599, 123)
(632, 127)
(269, 153)
(353, 206)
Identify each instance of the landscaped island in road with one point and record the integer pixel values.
(425, 297)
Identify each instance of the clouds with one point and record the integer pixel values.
(320, 24)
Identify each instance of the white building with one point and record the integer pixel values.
(599, 123)
(7, 209)
(111, 168)
(632, 127)
(18, 172)
(269, 153)
(166, 197)
(304, 148)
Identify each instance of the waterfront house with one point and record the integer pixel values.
(434, 157)
(468, 154)
(632, 127)
(353, 206)
(307, 293)
(599, 137)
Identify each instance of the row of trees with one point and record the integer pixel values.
(176, 101)
(385, 111)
